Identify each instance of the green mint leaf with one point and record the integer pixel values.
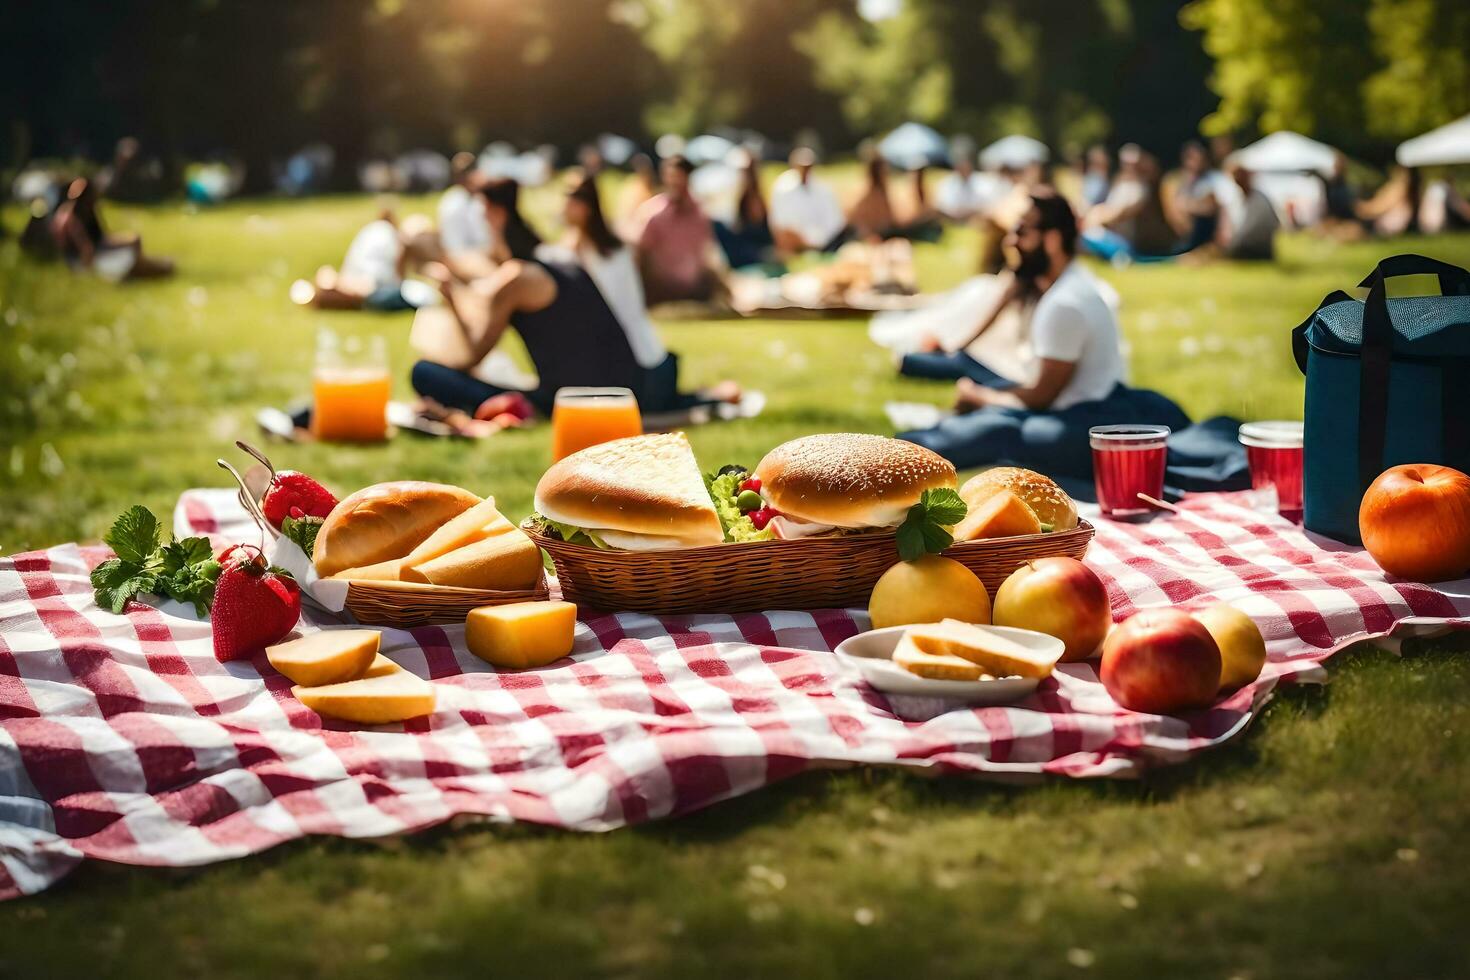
(116, 581)
(181, 554)
(944, 506)
(134, 535)
(936, 538)
(911, 543)
(302, 531)
(194, 584)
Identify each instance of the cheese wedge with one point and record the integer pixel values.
(382, 700)
(1001, 515)
(327, 657)
(506, 561)
(471, 526)
(383, 571)
(521, 634)
(935, 666)
(381, 665)
(994, 654)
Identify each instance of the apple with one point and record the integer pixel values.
(1060, 597)
(928, 590)
(1415, 522)
(1161, 661)
(1242, 647)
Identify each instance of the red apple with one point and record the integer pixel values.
(1415, 522)
(1060, 597)
(1161, 661)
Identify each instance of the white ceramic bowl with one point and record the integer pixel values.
(871, 654)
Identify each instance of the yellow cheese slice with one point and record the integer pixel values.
(507, 561)
(995, 654)
(383, 571)
(935, 666)
(382, 700)
(326, 657)
(467, 528)
(521, 634)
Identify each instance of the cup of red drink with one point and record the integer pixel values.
(1274, 451)
(1128, 460)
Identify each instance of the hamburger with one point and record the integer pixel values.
(646, 493)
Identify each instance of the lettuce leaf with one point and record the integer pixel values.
(567, 532)
(723, 488)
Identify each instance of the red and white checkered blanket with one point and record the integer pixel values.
(122, 738)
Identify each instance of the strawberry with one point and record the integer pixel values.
(255, 604)
(291, 493)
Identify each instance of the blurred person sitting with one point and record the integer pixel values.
(804, 215)
(81, 239)
(566, 322)
(1196, 206)
(1130, 223)
(1080, 374)
(965, 193)
(1443, 208)
(675, 241)
(1394, 208)
(746, 238)
(870, 218)
(372, 274)
(1097, 176)
(640, 188)
(464, 231)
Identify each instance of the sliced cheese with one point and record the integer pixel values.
(995, 654)
(1001, 515)
(382, 700)
(383, 571)
(326, 657)
(473, 525)
(935, 666)
(506, 561)
(521, 634)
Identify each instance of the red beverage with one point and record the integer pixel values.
(1274, 451)
(1128, 460)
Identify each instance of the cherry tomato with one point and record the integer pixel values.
(753, 483)
(760, 518)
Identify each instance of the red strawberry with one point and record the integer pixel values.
(291, 493)
(255, 605)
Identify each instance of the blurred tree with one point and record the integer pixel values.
(1424, 49)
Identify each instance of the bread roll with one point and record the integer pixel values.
(850, 480)
(1049, 501)
(507, 562)
(385, 521)
(646, 485)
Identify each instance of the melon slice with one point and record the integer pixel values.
(506, 561)
(935, 666)
(381, 665)
(397, 696)
(1001, 515)
(479, 522)
(521, 634)
(325, 657)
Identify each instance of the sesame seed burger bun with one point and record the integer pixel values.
(1049, 501)
(850, 480)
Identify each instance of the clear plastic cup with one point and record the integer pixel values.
(1274, 451)
(1128, 460)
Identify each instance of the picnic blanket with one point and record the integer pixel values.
(121, 737)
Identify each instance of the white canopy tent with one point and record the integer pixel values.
(1013, 152)
(1446, 146)
(1286, 152)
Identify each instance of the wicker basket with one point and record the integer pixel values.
(407, 604)
(808, 573)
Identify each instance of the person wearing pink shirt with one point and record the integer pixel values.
(675, 241)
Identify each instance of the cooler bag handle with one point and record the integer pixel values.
(1299, 346)
(1377, 351)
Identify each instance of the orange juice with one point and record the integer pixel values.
(350, 403)
(584, 417)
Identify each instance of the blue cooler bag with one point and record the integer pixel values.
(1388, 382)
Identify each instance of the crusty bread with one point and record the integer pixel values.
(850, 480)
(646, 485)
(385, 521)
(1049, 501)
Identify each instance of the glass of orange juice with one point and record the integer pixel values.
(584, 417)
(350, 386)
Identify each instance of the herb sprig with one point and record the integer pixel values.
(926, 528)
(183, 570)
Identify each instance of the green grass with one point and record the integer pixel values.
(1329, 842)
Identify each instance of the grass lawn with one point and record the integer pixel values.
(1330, 841)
